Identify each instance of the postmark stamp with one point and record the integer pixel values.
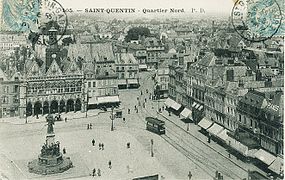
(256, 20)
(36, 17)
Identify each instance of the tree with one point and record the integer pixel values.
(135, 32)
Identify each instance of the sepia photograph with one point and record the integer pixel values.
(142, 89)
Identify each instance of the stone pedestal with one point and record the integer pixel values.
(51, 160)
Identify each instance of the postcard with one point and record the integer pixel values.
(139, 90)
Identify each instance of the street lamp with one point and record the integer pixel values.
(87, 103)
(26, 92)
(112, 119)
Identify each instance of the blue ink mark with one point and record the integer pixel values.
(21, 15)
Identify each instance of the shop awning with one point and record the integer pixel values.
(122, 82)
(142, 66)
(277, 165)
(171, 103)
(200, 108)
(205, 123)
(241, 148)
(215, 129)
(223, 135)
(186, 113)
(108, 99)
(264, 156)
(194, 104)
(133, 81)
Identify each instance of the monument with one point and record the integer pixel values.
(50, 160)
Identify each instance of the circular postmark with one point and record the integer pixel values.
(38, 17)
(256, 20)
(53, 19)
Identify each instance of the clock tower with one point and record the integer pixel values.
(53, 50)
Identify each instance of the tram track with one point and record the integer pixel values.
(201, 156)
(197, 156)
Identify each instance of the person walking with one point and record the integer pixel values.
(93, 142)
(110, 164)
(189, 175)
(102, 146)
(129, 111)
(87, 126)
(128, 145)
(64, 150)
(99, 172)
(94, 172)
(65, 119)
(90, 126)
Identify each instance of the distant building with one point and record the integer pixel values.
(127, 69)
(8, 41)
(154, 48)
(105, 90)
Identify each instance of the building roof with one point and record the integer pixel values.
(105, 73)
(126, 58)
(206, 60)
(255, 98)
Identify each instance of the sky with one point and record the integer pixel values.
(210, 6)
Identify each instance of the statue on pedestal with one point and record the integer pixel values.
(50, 160)
(50, 124)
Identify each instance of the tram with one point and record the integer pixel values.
(155, 125)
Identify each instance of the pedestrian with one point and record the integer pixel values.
(128, 168)
(145, 99)
(64, 150)
(137, 98)
(137, 110)
(146, 90)
(93, 142)
(189, 175)
(90, 126)
(65, 119)
(141, 92)
(124, 120)
(143, 105)
(99, 172)
(129, 111)
(209, 139)
(100, 145)
(110, 164)
(128, 145)
(229, 155)
(135, 107)
(169, 113)
(94, 172)
(87, 126)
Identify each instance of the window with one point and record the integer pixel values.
(6, 89)
(239, 118)
(5, 100)
(16, 88)
(94, 84)
(89, 84)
